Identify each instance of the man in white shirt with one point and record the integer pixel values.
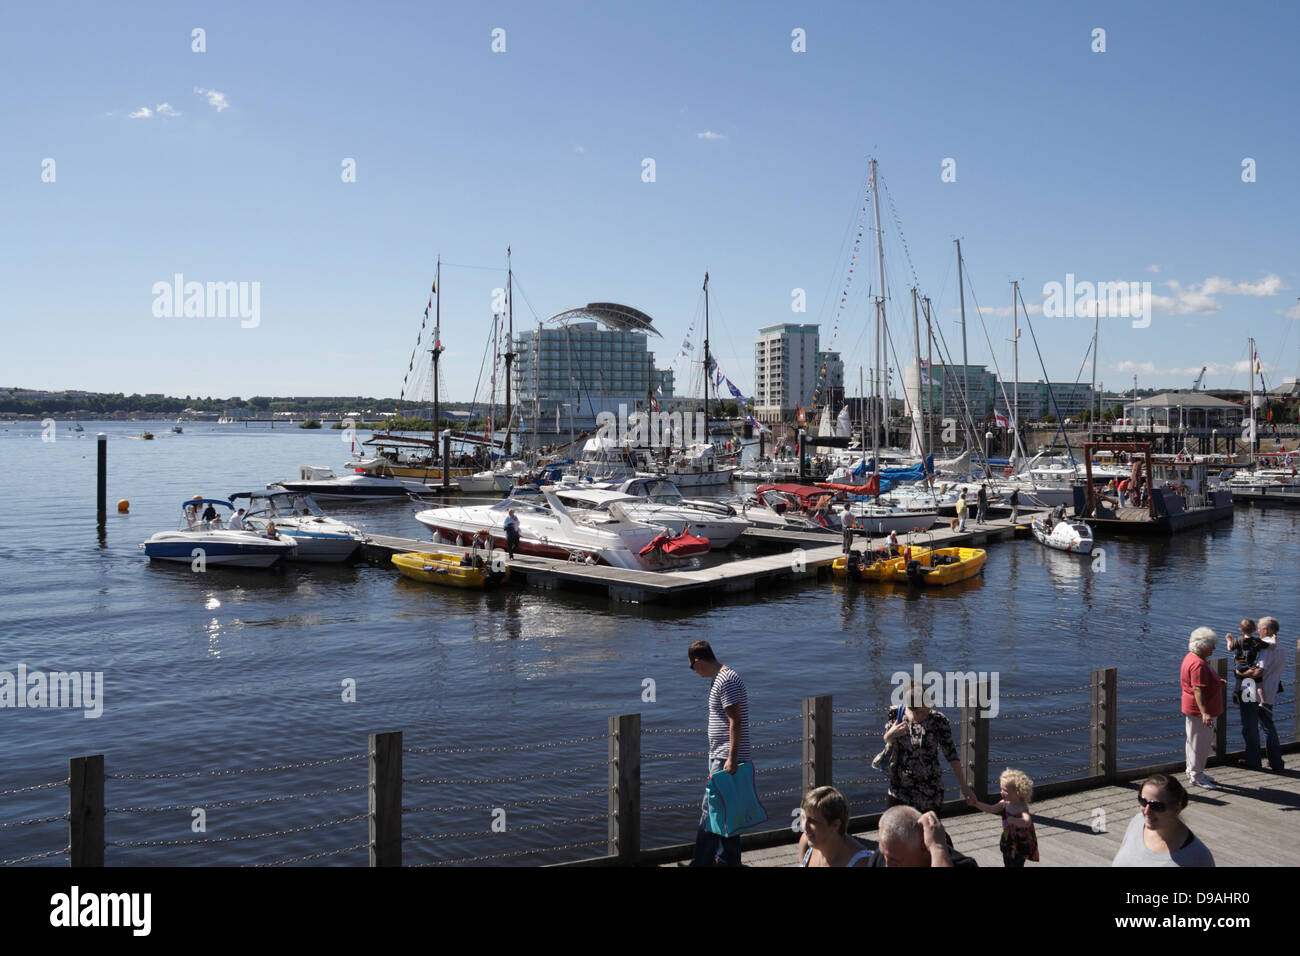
(236, 521)
(1267, 674)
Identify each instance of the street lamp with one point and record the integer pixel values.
(988, 449)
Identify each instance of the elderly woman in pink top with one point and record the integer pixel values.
(1202, 703)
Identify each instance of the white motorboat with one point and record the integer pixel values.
(882, 517)
(692, 467)
(212, 543)
(321, 539)
(1072, 536)
(374, 482)
(721, 529)
(495, 481)
(548, 529)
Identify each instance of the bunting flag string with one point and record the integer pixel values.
(419, 336)
(844, 293)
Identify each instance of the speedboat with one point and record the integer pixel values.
(548, 529)
(792, 507)
(495, 481)
(321, 539)
(1072, 536)
(364, 484)
(695, 466)
(211, 542)
(720, 529)
(176, 429)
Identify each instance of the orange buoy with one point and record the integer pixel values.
(123, 506)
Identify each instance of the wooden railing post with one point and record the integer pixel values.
(386, 799)
(1104, 741)
(1221, 725)
(975, 739)
(817, 756)
(86, 811)
(625, 787)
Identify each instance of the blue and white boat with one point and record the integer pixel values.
(321, 539)
(212, 542)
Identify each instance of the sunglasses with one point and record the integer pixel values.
(1157, 806)
(692, 663)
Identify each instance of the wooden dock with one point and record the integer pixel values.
(1243, 822)
(792, 556)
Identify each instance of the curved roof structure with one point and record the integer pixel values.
(624, 318)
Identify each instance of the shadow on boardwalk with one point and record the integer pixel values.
(1250, 820)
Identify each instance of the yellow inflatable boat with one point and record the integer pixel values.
(451, 570)
(880, 566)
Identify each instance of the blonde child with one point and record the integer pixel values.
(1019, 842)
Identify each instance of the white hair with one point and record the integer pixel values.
(1270, 624)
(899, 826)
(1203, 640)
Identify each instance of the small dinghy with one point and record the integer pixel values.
(451, 570)
(880, 564)
(1074, 537)
(942, 566)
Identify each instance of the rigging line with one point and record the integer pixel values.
(997, 370)
(861, 201)
(462, 265)
(520, 286)
(899, 222)
(1060, 419)
(950, 381)
(473, 406)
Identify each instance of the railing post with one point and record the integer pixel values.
(975, 739)
(86, 811)
(386, 799)
(1105, 723)
(625, 787)
(1295, 711)
(817, 756)
(1221, 725)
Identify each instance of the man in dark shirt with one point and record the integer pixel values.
(911, 838)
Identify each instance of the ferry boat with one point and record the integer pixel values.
(1180, 496)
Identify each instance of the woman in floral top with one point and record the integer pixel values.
(915, 776)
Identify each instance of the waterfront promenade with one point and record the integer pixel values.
(1252, 819)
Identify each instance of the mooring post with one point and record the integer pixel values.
(1221, 725)
(817, 756)
(386, 799)
(446, 460)
(975, 739)
(102, 478)
(1105, 723)
(86, 810)
(625, 787)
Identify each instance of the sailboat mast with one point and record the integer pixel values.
(1096, 315)
(929, 367)
(880, 307)
(1251, 408)
(437, 350)
(961, 298)
(914, 411)
(1015, 367)
(706, 358)
(510, 344)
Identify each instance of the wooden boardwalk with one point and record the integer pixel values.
(804, 555)
(1252, 819)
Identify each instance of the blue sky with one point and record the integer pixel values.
(1117, 166)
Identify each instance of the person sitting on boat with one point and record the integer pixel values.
(893, 544)
(191, 516)
(237, 521)
(271, 532)
(511, 528)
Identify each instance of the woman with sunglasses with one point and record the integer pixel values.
(1157, 836)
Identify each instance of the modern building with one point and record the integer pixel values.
(786, 366)
(585, 361)
(1040, 399)
(1190, 411)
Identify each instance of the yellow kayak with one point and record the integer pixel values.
(881, 568)
(942, 566)
(436, 567)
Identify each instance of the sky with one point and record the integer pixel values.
(130, 156)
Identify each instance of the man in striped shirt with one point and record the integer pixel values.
(728, 746)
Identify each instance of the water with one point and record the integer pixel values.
(234, 670)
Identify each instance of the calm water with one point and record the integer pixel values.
(233, 670)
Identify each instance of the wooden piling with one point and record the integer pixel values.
(386, 799)
(102, 478)
(1105, 723)
(86, 809)
(1220, 665)
(817, 714)
(625, 787)
(975, 739)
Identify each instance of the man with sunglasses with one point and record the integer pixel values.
(728, 746)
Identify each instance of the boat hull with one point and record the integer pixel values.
(437, 567)
(923, 570)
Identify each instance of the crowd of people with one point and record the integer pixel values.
(916, 736)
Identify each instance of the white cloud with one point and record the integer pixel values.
(1202, 298)
(1240, 367)
(1004, 311)
(1293, 312)
(709, 134)
(578, 149)
(165, 109)
(216, 100)
(1153, 268)
(142, 113)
